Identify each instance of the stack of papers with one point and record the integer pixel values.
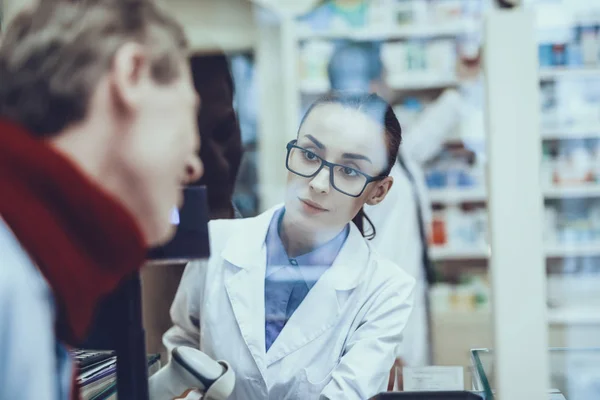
(98, 373)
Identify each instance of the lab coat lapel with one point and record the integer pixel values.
(245, 264)
(324, 303)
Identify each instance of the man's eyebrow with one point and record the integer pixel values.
(316, 142)
(354, 156)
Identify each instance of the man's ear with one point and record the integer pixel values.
(129, 66)
(382, 189)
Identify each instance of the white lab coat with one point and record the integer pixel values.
(396, 220)
(341, 341)
(396, 223)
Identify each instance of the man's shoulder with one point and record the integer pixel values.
(18, 275)
(11, 255)
(26, 323)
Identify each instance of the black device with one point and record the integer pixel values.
(191, 237)
(449, 395)
(118, 320)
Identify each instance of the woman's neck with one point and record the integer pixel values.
(297, 240)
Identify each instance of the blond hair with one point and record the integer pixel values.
(53, 55)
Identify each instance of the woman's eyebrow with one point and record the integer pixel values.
(353, 156)
(316, 142)
(350, 156)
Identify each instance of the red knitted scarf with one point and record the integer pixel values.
(82, 240)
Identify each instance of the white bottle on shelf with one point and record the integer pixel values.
(550, 228)
(455, 225)
(381, 14)
(547, 167)
(589, 42)
(596, 162)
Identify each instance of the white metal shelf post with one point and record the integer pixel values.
(274, 117)
(515, 206)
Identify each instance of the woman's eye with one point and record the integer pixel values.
(309, 155)
(349, 171)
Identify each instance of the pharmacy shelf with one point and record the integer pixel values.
(421, 83)
(573, 250)
(590, 131)
(454, 28)
(548, 74)
(556, 316)
(574, 316)
(318, 86)
(457, 196)
(575, 191)
(478, 195)
(314, 86)
(448, 253)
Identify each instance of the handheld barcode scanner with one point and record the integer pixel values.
(192, 369)
(118, 320)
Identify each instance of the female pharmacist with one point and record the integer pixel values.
(296, 299)
(403, 217)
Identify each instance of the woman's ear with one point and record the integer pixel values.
(380, 191)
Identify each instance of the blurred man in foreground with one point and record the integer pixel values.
(97, 136)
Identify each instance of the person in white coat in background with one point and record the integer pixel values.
(296, 300)
(403, 218)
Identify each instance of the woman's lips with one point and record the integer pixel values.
(312, 207)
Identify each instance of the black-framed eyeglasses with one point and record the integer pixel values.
(344, 179)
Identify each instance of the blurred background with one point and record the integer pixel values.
(415, 52)
(428, 59)
(425, 56)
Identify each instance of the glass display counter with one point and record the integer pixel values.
(574, 373)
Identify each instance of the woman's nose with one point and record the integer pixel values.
(320, 182)
(194, 169)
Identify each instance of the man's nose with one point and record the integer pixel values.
(194, 169)
(320, 182)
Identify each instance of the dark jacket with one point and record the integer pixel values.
(221, 150)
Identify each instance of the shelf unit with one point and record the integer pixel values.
(421, 82)
(556, 316)
(547, 74)
(405, 83)
(465, 196)
(433, 29)
(574, 191)
(573, 316)
(457, 196)
(314, 87)
(303, 32)
(575, 131)
(479, 195)
(580, 131)
(573, 250)
(449, 253)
